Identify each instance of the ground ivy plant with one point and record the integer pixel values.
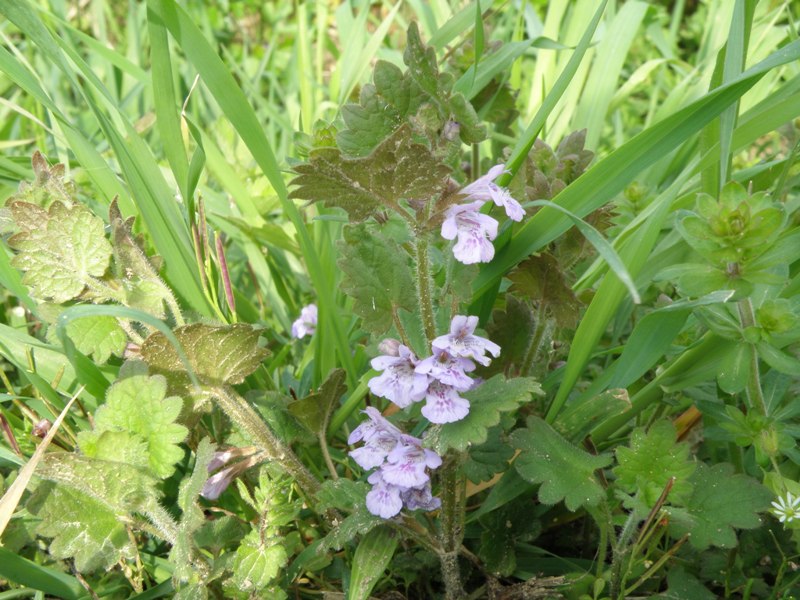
(446, 465)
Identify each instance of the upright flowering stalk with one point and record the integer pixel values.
(306, 323)
(475, 231)
(402, 477)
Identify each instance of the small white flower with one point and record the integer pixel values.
(787, 509)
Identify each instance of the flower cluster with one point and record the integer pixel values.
(306, 324)
(437, 379)
(401, 478)
(787, 509)
(474, 230)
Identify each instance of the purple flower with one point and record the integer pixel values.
(401, 462)
(461, 342)
(450, 370)
(484, 189)
(474, 231)
(444, 405)
(384, 499)
(407, 462)
(218, 483)
(306, 324)
(219, 459)
(399, 381)
(420, 498)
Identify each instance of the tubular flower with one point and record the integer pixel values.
(461, 342)
(402, 476)
(473, 230)
(400, 382)
(306, 324)
(448, 369)
(484, 189)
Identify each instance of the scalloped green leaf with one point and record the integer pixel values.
(651, 460)
(98, 336)
(257, 563)
(80, 527)
(489, 458)
(398, 169)
(138, 406)
(565, 471)
(720, 502)
(217, 353)
(377, 275)
(62, 250)
(487, 402)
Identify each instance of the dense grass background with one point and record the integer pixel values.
(172, 107)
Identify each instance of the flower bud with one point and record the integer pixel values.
(389, 347)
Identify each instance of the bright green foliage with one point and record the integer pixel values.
(398, 169)
(81, 527)
(85, 504)
(565, 471)
(217, 353)
(769, 436)
(651, 460)
(358, 523)
(489, 458)
(137, 407)
(192, 518)
(487, 402)
(720, 502)
(734, 235)
(264, 551)
(63, 249)
(314, 410)
(377, 276)
(137, 272)
(99, 336)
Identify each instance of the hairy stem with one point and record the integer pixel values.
(453, 504)
(754, 394)
(424, 287)
(241, 413)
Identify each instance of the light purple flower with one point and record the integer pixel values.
(384, 499)
(306, 324)
(484, 189)
(218, 483)
(474, 231)
(420, 498)
(379, 436)
(450, 370)
(399, 381)
(461, 342)
(219, 459)
(444, 405)
(407, 462)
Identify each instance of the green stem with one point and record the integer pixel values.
(424, 287)
(241, 413)
(621, 550)
(754, 394)
(453, 507)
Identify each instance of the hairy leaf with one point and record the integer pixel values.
(49, 184)
(341, 494)
(61, 249)
(565, 471)
(144, 289)
(720, 502)
(377, 276)
(99, 336)
(487, 401)
(511, 329)
(137, 406)
(358, 523)
(314, 410)
(257, 563)
(652, 459)
(398, 169)
(540, 280)
(82, 528)
(217, 353)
